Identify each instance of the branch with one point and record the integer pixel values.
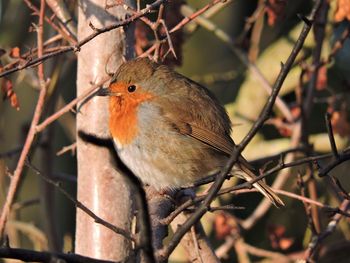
(189, 18)
(328, 117)
(342, 158)
(316, 240)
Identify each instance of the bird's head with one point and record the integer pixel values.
(133, 83)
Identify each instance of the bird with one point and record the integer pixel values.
(169, 130)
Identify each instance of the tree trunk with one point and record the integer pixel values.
(100, 187)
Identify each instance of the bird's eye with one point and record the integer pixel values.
(131, 88)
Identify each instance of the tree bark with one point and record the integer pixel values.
(100, 187)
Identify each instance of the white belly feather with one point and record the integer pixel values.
(141, 164)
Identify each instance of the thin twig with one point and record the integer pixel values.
(325, 170)
(258, 26)
(40, 30)
(328, 117)
(223, 250)
(188, 19)
(308, 208)
(209, 13)
(196, 246)
(170, 43)
(24, 204)
(337, 46)
(70, 105)
(338, 187)
(72, 148)
(259, 252)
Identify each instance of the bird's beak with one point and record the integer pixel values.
(107, 92)
(100, 92)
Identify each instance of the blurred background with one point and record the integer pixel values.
(265, 31)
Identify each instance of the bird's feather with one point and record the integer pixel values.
(210, 138)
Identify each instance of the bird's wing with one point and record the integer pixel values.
(215, 141)
(195, 112)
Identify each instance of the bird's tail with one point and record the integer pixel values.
(248, 175)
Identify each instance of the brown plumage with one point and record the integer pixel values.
(169, 130)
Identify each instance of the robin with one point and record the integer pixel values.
(169, 130)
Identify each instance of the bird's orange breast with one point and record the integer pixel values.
(123, 117)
